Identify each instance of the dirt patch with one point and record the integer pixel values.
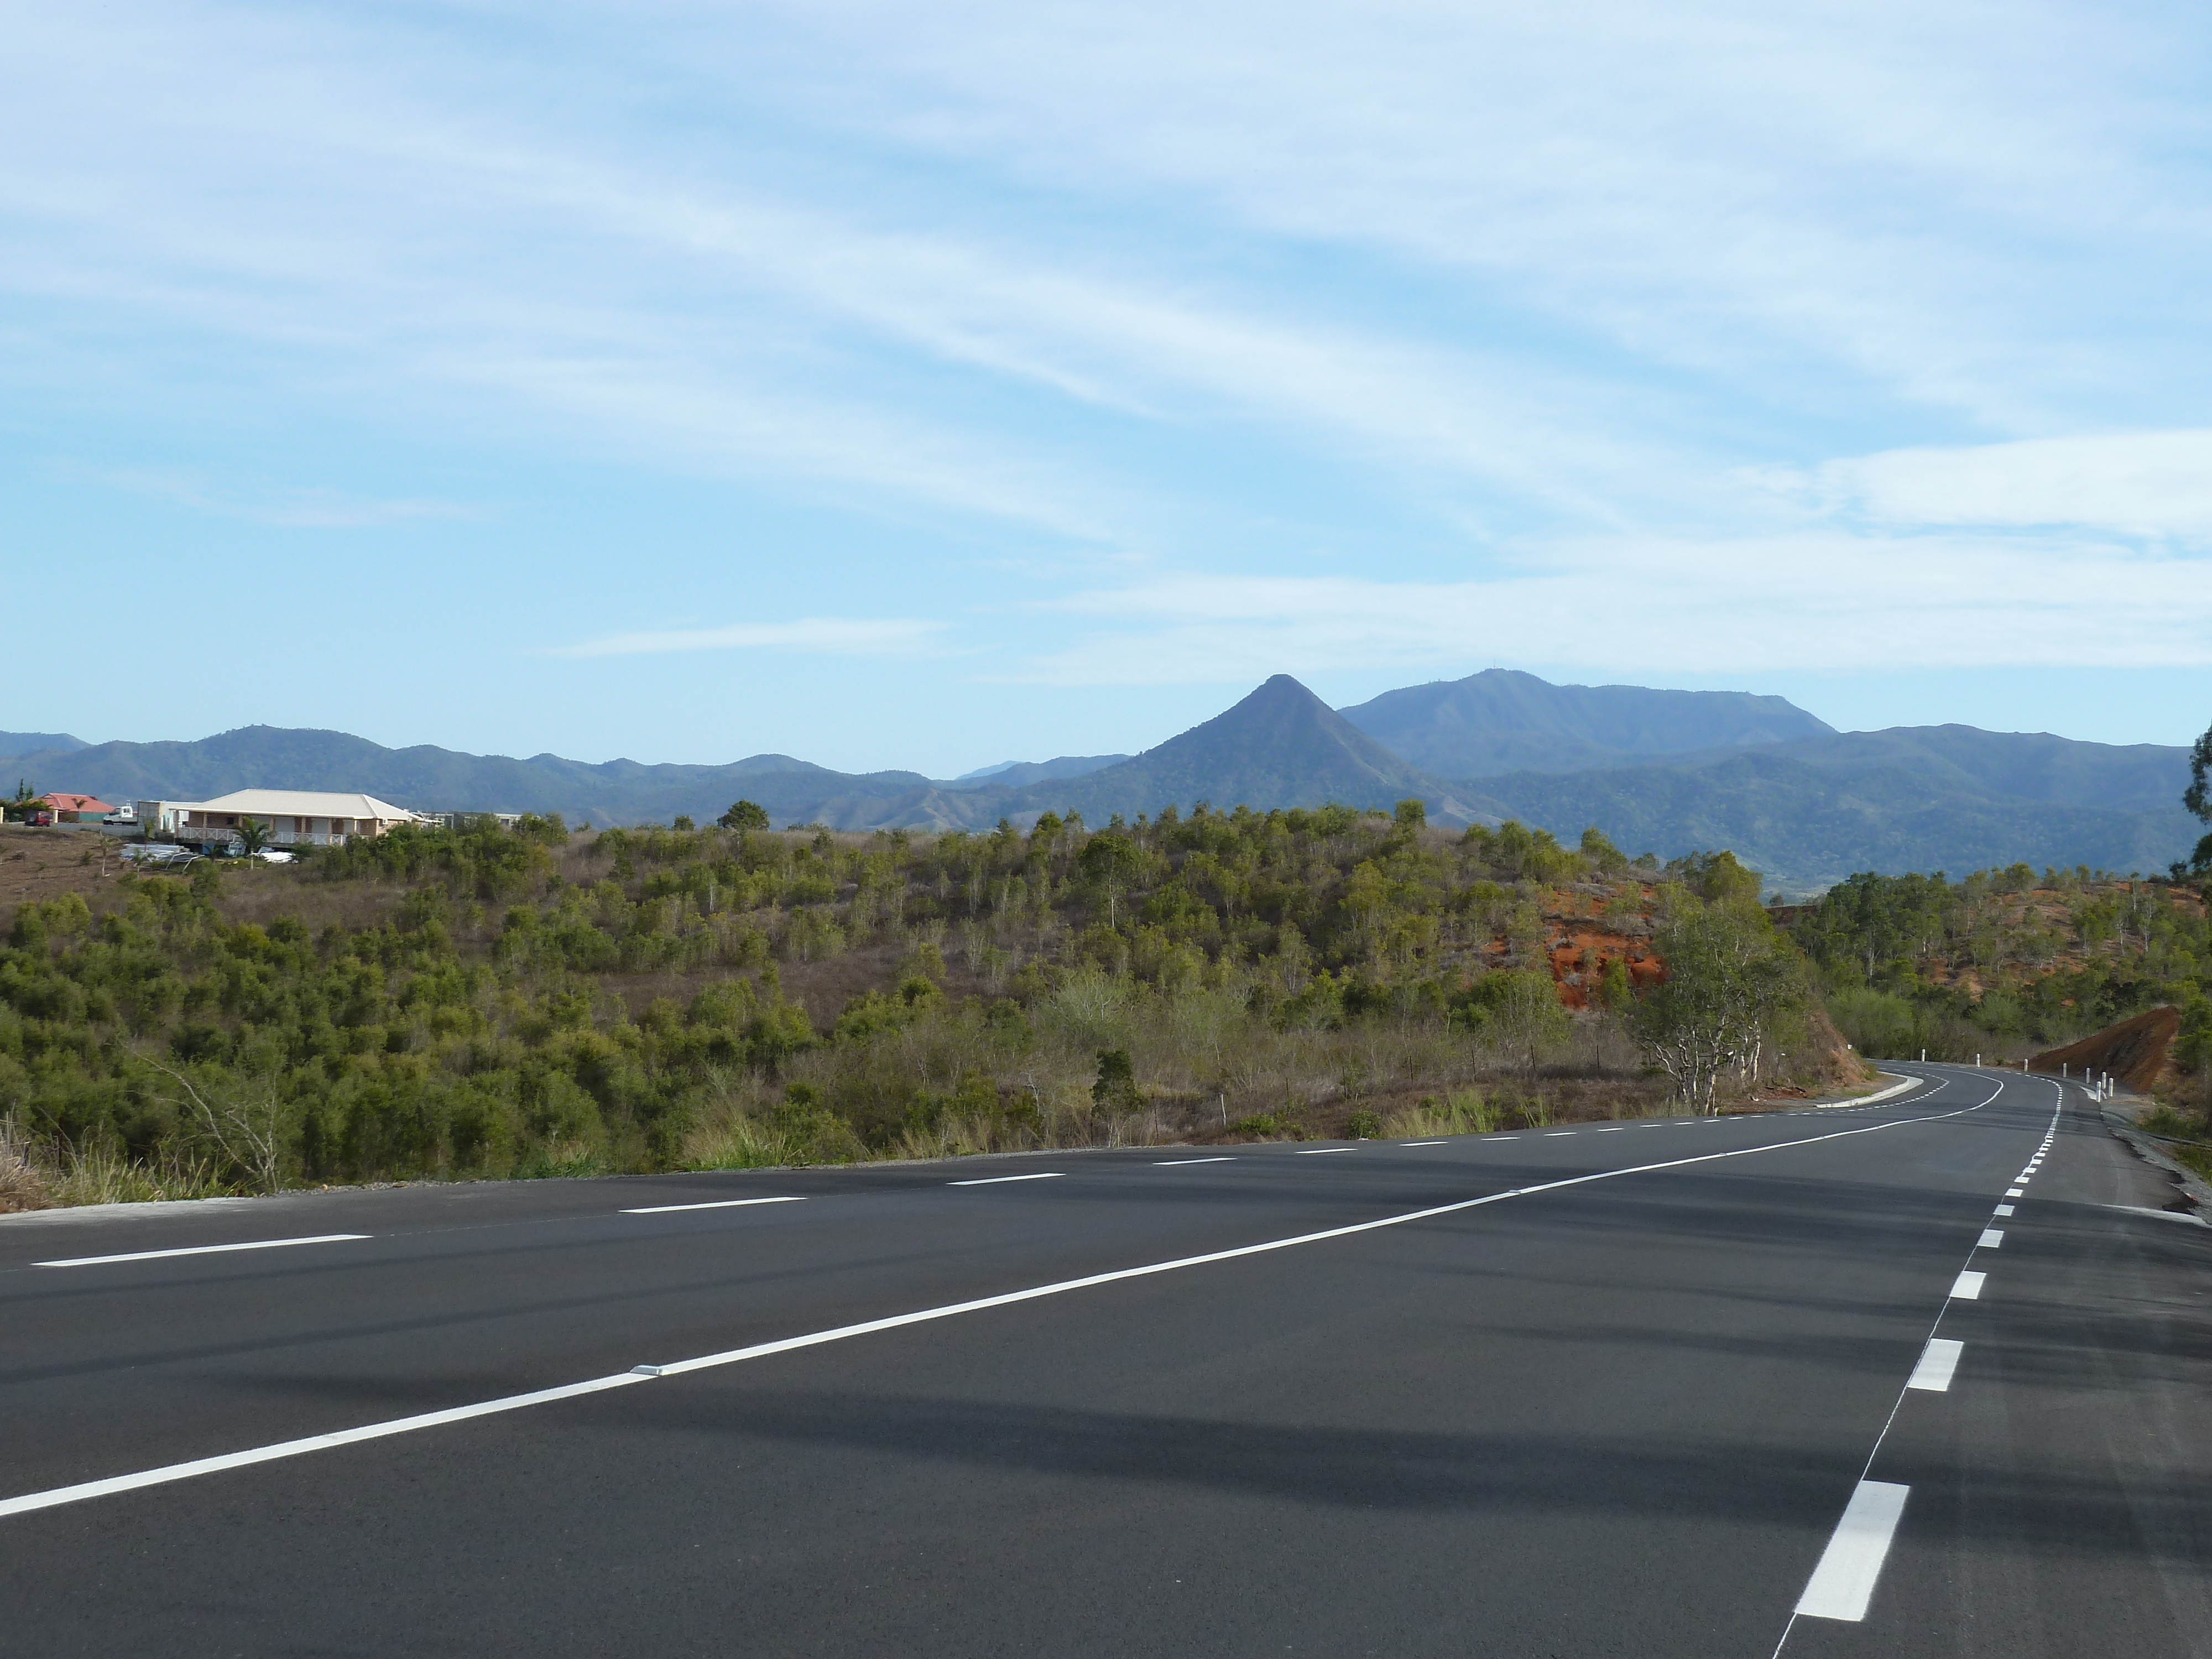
(37, 865)
(2137, 1051)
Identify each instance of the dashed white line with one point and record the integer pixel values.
(199, 1249)
(1842, 1583)
(1938, 1360)
(1424, 1142)
(2002, 1209)
(1316, 1151)
(27, 1502)
(1555, 1134)
(1177, 1163)
(715, 1203)
(2015, 1192)
(1967, 1287)
(1991, 1238)
(993, 1181)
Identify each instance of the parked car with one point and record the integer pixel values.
(160, 852)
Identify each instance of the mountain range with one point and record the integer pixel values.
(1658, 770)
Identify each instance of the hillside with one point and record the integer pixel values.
(13, 744)
(491, 1002)
(1014, 773)
(2006, 962)
(429, 779)
(1281, 746)
(1935, 798)
(1808, 811)
(1503, 721)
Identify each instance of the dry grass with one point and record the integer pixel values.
(32, 1178)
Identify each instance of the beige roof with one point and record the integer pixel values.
(301, 804)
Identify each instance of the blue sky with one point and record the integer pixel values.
(933, 387)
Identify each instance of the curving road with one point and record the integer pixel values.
(1931, 1375)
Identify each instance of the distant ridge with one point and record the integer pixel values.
(1504, 720)
(1808, 811)
(1280, 746)
(13, 744)
(1950, 798)
(1014, 773)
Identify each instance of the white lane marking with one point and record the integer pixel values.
(1555, 1134)
(1424, 1142)
(1503, 1136)
(315, 1442)
(993, 1181)
(1843, 1584)
(1177, 1163)
(1316, 1151)
(1614, 1129)
(1938, 1360)
(199, 1249)
(1967, 1287)
(2002, 1209)
(48, 1499)
(2015, 1192)
(1992, 1239)
(715, 1203)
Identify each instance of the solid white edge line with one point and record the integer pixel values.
(1842, 1583)
(200, 1249)
(993, 1181)
(1967, 1287)
(1992, 1239)
(39, 1500)
(1938, 1361)
(713, 1204)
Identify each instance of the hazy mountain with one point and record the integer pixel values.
(1808, 810)
(33, 743)
(1915, 797)
(429, 779)
(1281, 746)
(1503, 721)
(1014, 773)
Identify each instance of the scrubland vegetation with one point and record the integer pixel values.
(2007, 963)
(488, 1002)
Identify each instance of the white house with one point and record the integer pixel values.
(294, 817)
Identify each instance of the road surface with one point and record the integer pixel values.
(1928, 1377)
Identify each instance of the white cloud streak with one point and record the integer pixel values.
(1801, 601)
(2146, 484)
(829, 635)
(290, 507)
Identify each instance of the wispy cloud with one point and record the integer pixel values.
(293, 507)
(1800, 601)
(834, 635)
(2151, 483)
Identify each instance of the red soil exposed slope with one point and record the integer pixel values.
(2134, 1051)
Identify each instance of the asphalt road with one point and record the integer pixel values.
(1636, 1389)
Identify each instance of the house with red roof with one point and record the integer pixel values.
(61, 807)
